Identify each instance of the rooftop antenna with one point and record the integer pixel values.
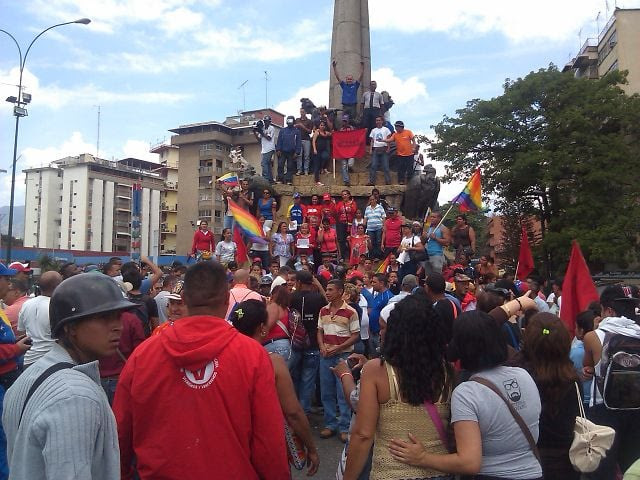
(244, 103)
(98, 136)
(266, 89)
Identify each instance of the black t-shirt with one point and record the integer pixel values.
(148, 302)
(313, 302)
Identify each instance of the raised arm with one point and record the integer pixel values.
(334, 64)
(156, 273)
(361, 72)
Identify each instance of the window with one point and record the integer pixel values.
(219, 148)
(218, 213)
(204, 213)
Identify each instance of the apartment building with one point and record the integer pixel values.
(85, 203)
(616, 48)
(168, 157)
(203, 156)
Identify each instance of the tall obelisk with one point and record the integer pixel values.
(350, 44)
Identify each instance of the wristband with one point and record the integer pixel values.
(519, 303)
(345, 373)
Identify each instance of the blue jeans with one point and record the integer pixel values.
(330, 389)
(379, 159)
(304, 369)
(304, 158)
(228, 222)
(344, 165)
(282, 347)
(265, 163)
(287, 159)
(376, 243)
(319, 161)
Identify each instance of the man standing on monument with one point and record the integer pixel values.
(305, 125)
(379, 151)
(349, 91)
(266, 136)
(372, 104)
(288, 148)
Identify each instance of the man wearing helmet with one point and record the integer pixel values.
(268, 145)
(56, 416)
(288, 148)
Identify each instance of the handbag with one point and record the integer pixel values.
(296, 453)
(299, 337)
(590, 441)
(516, 416)
(417, 255)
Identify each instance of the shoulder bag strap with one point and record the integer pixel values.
(432, 410)
(43, 376)
(516, 416)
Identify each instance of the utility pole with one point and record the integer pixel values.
(244, 103)
(98, 136)
(266, 89)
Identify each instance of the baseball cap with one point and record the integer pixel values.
(6, 272)
(392, 209)
(267, 118)
(355, 274)
(416, 223)
(461, 277)
(256, 260)
(326, 274)
(326, 196)
(20, 267)
(176, 291)
(266, 280)
(296, 195)
(407, 224)
(399, 123)
(410, 281)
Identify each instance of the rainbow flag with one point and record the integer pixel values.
(247, 222)
(230, 179)
(382, 268)
(471, 197)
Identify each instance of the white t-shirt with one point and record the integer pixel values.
(34, 320)
(407, 242)
(364, 321)
(162, 301)
(379, 134)
(268, 145)
(277, 281)
(262, 247)
(227, 251)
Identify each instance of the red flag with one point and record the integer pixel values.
(525, 259)
(241, 252)
(578, 289)
(349, 143)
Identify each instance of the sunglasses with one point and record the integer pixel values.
(266, 193)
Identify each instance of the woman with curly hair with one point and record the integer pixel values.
(407, 390)
(489, 442)
(250, 318)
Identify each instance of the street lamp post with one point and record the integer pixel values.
(19, 110)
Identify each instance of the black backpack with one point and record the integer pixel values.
(619, 379)
(142, 312)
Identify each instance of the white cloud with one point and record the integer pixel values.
(403, 91)
(138, 149)
(318, 93)
(519, 21)
(55, 97)
(108, 16)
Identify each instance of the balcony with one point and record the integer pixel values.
(168, 208)
(171, 185)
(205, 170)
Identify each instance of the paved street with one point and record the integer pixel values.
(329, 450)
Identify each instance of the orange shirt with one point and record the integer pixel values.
(403, 142)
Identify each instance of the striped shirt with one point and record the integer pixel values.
(337, 328)
(375, 217)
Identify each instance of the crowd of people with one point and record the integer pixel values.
(421, 366)
(303, 146)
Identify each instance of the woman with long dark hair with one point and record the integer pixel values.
(321, 146)
(545, 355)
(489, 442)
(282, 244)
(250, 318)
(410, 379)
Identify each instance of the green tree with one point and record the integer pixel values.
(560, 148)
(48, 263)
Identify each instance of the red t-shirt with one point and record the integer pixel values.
(329, 241)
(346, 211)
(314, 211)
(393, 234)
(312, 244)
(329, 211)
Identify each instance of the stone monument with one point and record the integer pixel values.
(350, 45)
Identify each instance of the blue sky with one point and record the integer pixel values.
(155, 64)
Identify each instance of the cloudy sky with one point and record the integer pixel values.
(152, 65)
